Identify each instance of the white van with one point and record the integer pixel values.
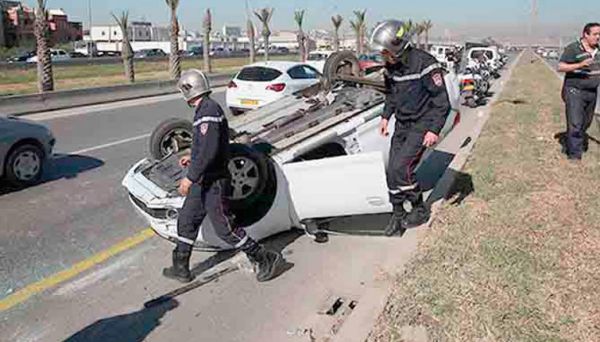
(491, 54)
(440, 52)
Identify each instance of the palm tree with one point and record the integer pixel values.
(252, 40)
(419, 29)
(427, 25)
(299, 18)
(265, 15)
(126, 50)
(207, 26)
(359, 26)
(44, 60)
(174, 57)
(337, 22)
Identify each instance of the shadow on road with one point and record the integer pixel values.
(132, 327)
(61, 166)
(277, 242)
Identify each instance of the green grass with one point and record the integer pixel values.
(518, 259)
(19, 81)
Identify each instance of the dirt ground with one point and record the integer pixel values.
(518, 259)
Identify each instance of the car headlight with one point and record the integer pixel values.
(172, 214)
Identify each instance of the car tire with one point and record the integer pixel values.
(24, 165)
(471, 103)
(253, 184)
(343, 62)
(171, 136)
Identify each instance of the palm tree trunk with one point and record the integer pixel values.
(174, 57)
(336, 39)
(44, 63)
(302, 46)
(266, 41)
(127, 53)
(252, 41)
(427, 38)
(206, 52)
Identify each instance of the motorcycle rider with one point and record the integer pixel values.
(581, 63)
(207, 185)
(418, 99)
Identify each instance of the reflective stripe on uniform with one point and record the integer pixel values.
(423, 73)
(401, 189)
(242, 242)
(185, 240)
(208, 119)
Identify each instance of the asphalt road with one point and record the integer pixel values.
(81, 208)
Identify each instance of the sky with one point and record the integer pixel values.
(483, 17)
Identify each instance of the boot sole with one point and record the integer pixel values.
(272, 271)
(181, 279)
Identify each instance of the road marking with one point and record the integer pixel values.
(82, 266)
(114, 143)
(63, 113)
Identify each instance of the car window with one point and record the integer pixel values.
(316, 57)
(258, 74)
(303, 72)
(489, 54)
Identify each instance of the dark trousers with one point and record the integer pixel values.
(580, 105)
(208, 200)
(406, 151)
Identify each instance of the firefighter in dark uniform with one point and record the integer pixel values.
(418, 99)
(207, 185)
(581, 63)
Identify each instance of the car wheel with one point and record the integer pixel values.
(343, 62)
(253, 184)
(25, 165)
(171, 136)
(471, 103)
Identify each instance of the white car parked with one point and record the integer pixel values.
(261, 83)
(55, 55)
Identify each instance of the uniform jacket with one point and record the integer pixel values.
(210, 147)
(416, 91)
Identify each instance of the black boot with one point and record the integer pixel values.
(181, 267)
(419, 215)
(395, 226)
(266, 262)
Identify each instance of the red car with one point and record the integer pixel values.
(370, 63)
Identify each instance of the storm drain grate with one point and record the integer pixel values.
(337, 308)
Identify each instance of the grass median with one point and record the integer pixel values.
(518, 259)
(24, 81)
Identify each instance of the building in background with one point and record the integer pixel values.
(61, 29)
(18, 23)
(232, 31)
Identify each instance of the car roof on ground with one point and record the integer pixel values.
(278, 65)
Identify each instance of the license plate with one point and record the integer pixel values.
(250, 102)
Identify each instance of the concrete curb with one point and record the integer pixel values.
(35, 103)
(360, 324)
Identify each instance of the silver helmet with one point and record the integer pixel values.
(392, 35)
(193, 84)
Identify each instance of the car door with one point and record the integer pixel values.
(338, 186)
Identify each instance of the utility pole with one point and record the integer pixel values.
(89, 44)
(533, 21)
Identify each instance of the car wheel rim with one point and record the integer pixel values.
(27, 165)
(174, 141)
(244, 177)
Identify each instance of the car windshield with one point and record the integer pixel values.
(258, 74)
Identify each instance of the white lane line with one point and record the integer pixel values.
(111, 144)
(63, 113)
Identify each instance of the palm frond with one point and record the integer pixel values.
(337, 20)
(299, 17)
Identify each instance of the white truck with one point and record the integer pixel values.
(313, 155)
(114, 48)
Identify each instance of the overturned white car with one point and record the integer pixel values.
(316, 154)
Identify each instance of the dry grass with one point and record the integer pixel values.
(18, 82)
(519, 259)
